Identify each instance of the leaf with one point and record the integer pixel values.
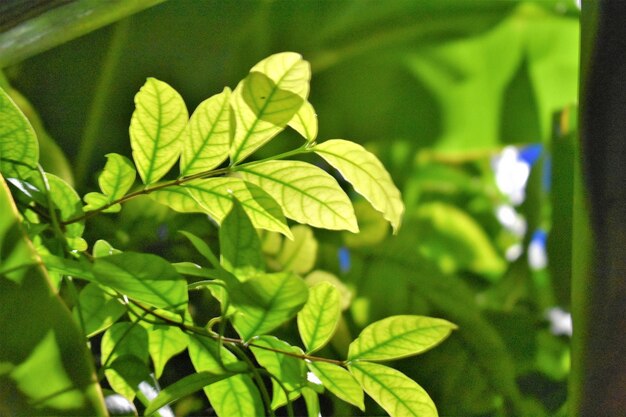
(306, 193)
(156, 127)
(46, 367)
(215, 196)
(367, 175)
(130, 370)
(318, 319)
(289, 370)
(318, 276)
(207, 141)
(398, 337)
(123, 339)
(240, 245)
(178, 199)
(266, 100)
(338, 381)
(392, 390)
(97, 310)
(19, 149)
(298, 255)
(202, 247)
(312, 402)
(164, 341)
(264, 302)
(144, 277)
(115, 180)
(182, 388)
(234, 396)
(305, 122)
(103, 248)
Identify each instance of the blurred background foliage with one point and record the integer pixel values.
(457, 97)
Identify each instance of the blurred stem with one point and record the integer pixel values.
(61, 24)
(99, 103)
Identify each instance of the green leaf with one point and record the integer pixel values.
(240, 245)
(182, 388)
(398, 337)
(207, 141)
(306, 193)
(46, 367)
(338, 381)
(143, 277)
(392, 390)
(97, 310)
(178, 199)
(215, 196)
(122, 339)
(266, 100)
(318, 319)
(202, 247)
(156, 127)
(266, 301)
(345, 293)
(128, 370)
(164, 341)
(234, 396)
(305, 122)
(19, 149)
(298, 255)
(289, 370)
(312, 402)
(367, 175)
(103, 248)
(115, 180)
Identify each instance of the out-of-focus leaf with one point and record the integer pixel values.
(123, 339)
(52, 349)
(298, 255)
(398, 337)
(266, 100)
(215, 196)
(240, 245)
(373, 227)
(305, 122)
(318, 276)
(338, 381)
(208, 138)
(318, 319)
(143, 277)
(367, 175)
(306, 193)
(159, 120)
(97, 310)
(264, 302)
(392, 390)
(19, 149)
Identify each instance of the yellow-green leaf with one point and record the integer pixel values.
(240, 245)
(159, 120)
(207, 141)
(298, 255)
(178, 199)
(318, 319)
(338, 381)
(266, 100)
(164, 341)
(306, 193)
(305, 122)
(19, 149)
(367, 175)
(398, 337)
(393, 391)
(97, 310)
(215, 196)
(118, 176)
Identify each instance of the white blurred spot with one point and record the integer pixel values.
(310, 376)
(560, 322)
(537, 256)
(118, 404)
(511, 174)
(151, 392)
(511, 220)
(514, 252)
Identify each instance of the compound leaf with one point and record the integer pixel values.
(159, 120)
(19, 149)
(266, 100)
(143, 277)
(367, 175)
(392, 390)
(338, 381)
(318, 319)
(398, 337)
(306, 193)
(207, 140)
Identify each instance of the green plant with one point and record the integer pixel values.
(141, 301)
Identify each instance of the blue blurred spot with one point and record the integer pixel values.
(530, 153)
(162, 232)
(539, 238)
(546, 180)
(344, 259)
